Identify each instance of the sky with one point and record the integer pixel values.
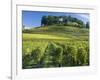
(33, 18)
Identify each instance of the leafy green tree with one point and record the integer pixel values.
(50, 20)
(44, 21)
(87, 25)
(56, 22)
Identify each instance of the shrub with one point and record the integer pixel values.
(82, 56)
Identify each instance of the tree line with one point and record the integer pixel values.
(63, 21)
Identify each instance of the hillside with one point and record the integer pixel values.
(55, 46)
(64, 32)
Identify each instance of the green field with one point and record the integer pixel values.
(55, 46)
